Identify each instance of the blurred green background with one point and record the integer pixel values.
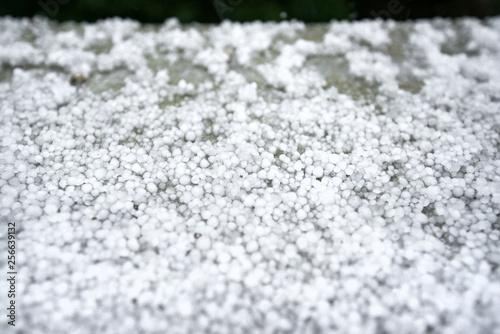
(210, 11)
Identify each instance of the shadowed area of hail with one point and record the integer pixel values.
(253, 178)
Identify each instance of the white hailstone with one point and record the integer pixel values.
(6, 201)
(215, 210)
(433, 192)
(206, 214)
(234, 272)
(190, 136)
(458, 191)
(336, 181)
(218, 190)
(50, 209)
(383, 180)
(352, 286)
(224, 257)
(133, 245)
(213, 222)
(248, 92)
(262, 174)
(251, 280)
(470, 192)
(86, 188)
(203, 243)
(240, 220)
(249, 201)
(313, 236)
(354, 201)
(239, 114)
(195, 179)
(114, 163)
(265, 163)
(298, 165)
(100, 173)
(75, 181)
(301, 214)
(34, 211)
(252, 246)
(130, 158)
(136, 168)
(185, 308)
(318, 171)
(260, 203)
(134, 231)
(184, 180)
(197, 192)
(302, 242)
(152, 188)
(429, 180)
(290, 250)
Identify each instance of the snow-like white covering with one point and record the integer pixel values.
(252, 178)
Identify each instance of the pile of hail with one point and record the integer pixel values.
(253, 178)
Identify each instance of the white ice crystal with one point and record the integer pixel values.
(253, 178)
